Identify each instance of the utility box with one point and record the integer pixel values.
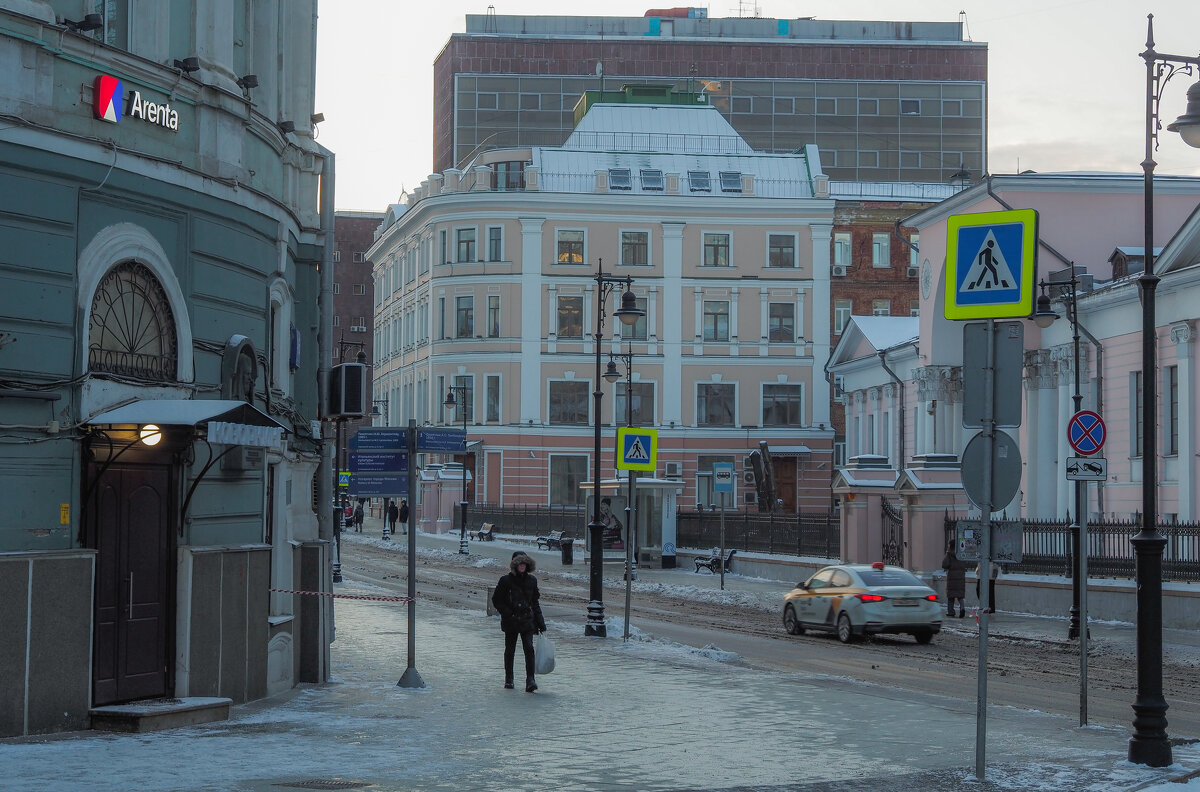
(348, 391)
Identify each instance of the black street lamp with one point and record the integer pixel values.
(613, 375)
(628, 313)
(462, 409)
(1149, 744)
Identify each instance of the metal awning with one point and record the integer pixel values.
(790, 450)
(226, 420)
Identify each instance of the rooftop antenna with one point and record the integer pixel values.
(962, 20)
(751, 6)
(489, 20)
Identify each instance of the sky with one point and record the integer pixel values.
(1067, 85)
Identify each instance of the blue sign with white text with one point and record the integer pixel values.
(449, 441)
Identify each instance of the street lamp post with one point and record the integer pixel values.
(377, 413)
(612, 375)
(628, 313)
(1149, 744)
(462, 409)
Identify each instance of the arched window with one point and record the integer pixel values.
(132, 329)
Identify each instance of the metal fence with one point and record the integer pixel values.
(530, 520)
(816, 534)
(1046, 548)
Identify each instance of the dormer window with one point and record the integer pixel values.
(652, 180)
(731, 181)
(699, 181)
(620, 179)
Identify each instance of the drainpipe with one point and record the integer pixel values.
(900, 383)
(325, 349)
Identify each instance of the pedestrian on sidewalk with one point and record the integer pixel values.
(392, 514)
(995, 573)
(358, 517)
(403, 516)
(516, 600)
(956, 581)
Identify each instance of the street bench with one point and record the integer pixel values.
(551, 541)
(484, 534)
(716, 561)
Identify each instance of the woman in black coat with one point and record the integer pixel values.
(956, 581)
(516, 600)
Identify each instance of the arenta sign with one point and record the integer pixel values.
(109, 103)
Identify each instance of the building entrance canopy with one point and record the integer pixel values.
(227, 421)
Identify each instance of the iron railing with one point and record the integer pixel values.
(1046, 548)
(815, 534)
(531, 520)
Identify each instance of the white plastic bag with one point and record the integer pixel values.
(543, 654)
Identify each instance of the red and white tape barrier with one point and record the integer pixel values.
(340, 596)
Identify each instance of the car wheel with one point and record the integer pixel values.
(845, 631)
(790, 622)
(923, 636)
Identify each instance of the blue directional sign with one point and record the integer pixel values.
(378, 462)
(379, 438)
(991, 264)
(379, 485)
(447, 441)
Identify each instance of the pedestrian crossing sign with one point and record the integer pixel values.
(991, 264)
(638, 447)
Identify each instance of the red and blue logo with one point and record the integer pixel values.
(108, 99)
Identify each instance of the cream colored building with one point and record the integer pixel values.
(486, 277)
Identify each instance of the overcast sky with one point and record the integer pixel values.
(1067, 85)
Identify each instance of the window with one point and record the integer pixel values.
(620, 179)
(495, 243)
(567, 474)
(464, 397)
(839, 454)
(508, 176)
(781, 322)
(442, 253)
(570, 247)
(782, 404)
(337, 256)
(464, 311)
(781, 250)
(841, 315)
(914, 307)
(699, 181)
(716, 250)
(914, 250)
(870, 439)
(642, 399)
(569, 402)
(881, 307)
(841, 249)
(716, 320)
(441, 318)
(1172, 433)
(652, 180)
(881, 254)
(337, 288)
(360, 288)
(486, 101)
(714, 404)
(731, 181)
(361, 321)
(132, 327)
(910, 107)
(493, 317)
(493, 397)
(464, 240)
(637, 330)
(1135, 385)
(570, 317)
(635, 248)
(358, 257)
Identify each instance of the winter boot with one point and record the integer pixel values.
(530, 685)
(950, 611)
(508, 681)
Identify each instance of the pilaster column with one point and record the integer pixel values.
(1182, 333)
(530, 267)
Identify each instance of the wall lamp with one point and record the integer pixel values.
(287, 127)
(317, 118)
(247, 82)
(87, 24)
(188, 65)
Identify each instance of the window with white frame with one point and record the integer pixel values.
(914, 250)
(570, 316)
(464, 317)
(569, 402)
(881, 251)
(337, 288)
(839, 454)
(637, 330)
(731, 181)
(569, 247)
(699, 181)
(870, 433)
(715, 403)
(716, 249)
(841, 248)
(781, 322)
(493, 316)
(635, 248)
(464, 241)
(443, 253)
(841, 315)
(620, 179)
(652, 180)
(360, 288)
(493, 398)
(567, 475)
(1171, 430)
(781, 250)
(495, 243)
(464, 397)
(782, 404)
(716, 320)
(881, 307)
(640, 396)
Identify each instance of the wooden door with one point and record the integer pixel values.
(785, 482)
(131, 533)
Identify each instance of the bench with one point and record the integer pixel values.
(484, 534)
(716, 561)
(551, 541)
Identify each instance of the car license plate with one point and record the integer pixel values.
(904, 603)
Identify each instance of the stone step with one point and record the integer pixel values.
(158, 714)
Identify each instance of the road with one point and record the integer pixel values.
(1033, 675)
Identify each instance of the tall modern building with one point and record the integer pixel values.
(884, 101)
(162, 233)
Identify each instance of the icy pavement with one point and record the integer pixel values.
(643, 715)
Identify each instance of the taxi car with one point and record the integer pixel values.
(851, 600)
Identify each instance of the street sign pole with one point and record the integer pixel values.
(411, 678)
(723, 483)
(724, 496)
(1081, 495)
(985, 556)
(630, 533)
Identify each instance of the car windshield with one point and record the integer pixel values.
(889, 576)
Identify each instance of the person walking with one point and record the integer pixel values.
(403, 514)
(392, 514)
(995, 573)
(956, 581)
(358, 517)
(516, 600)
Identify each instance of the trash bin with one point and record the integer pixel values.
(568, 551)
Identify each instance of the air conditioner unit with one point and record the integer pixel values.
(913, 272)
(358, 328)
(748, 477)
(673, 469)
(838, 271)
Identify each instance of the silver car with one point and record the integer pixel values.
(863, 599)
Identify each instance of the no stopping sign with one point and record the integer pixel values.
(1085, 432)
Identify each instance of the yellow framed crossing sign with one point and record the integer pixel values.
(637, 449)
(991, 264)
